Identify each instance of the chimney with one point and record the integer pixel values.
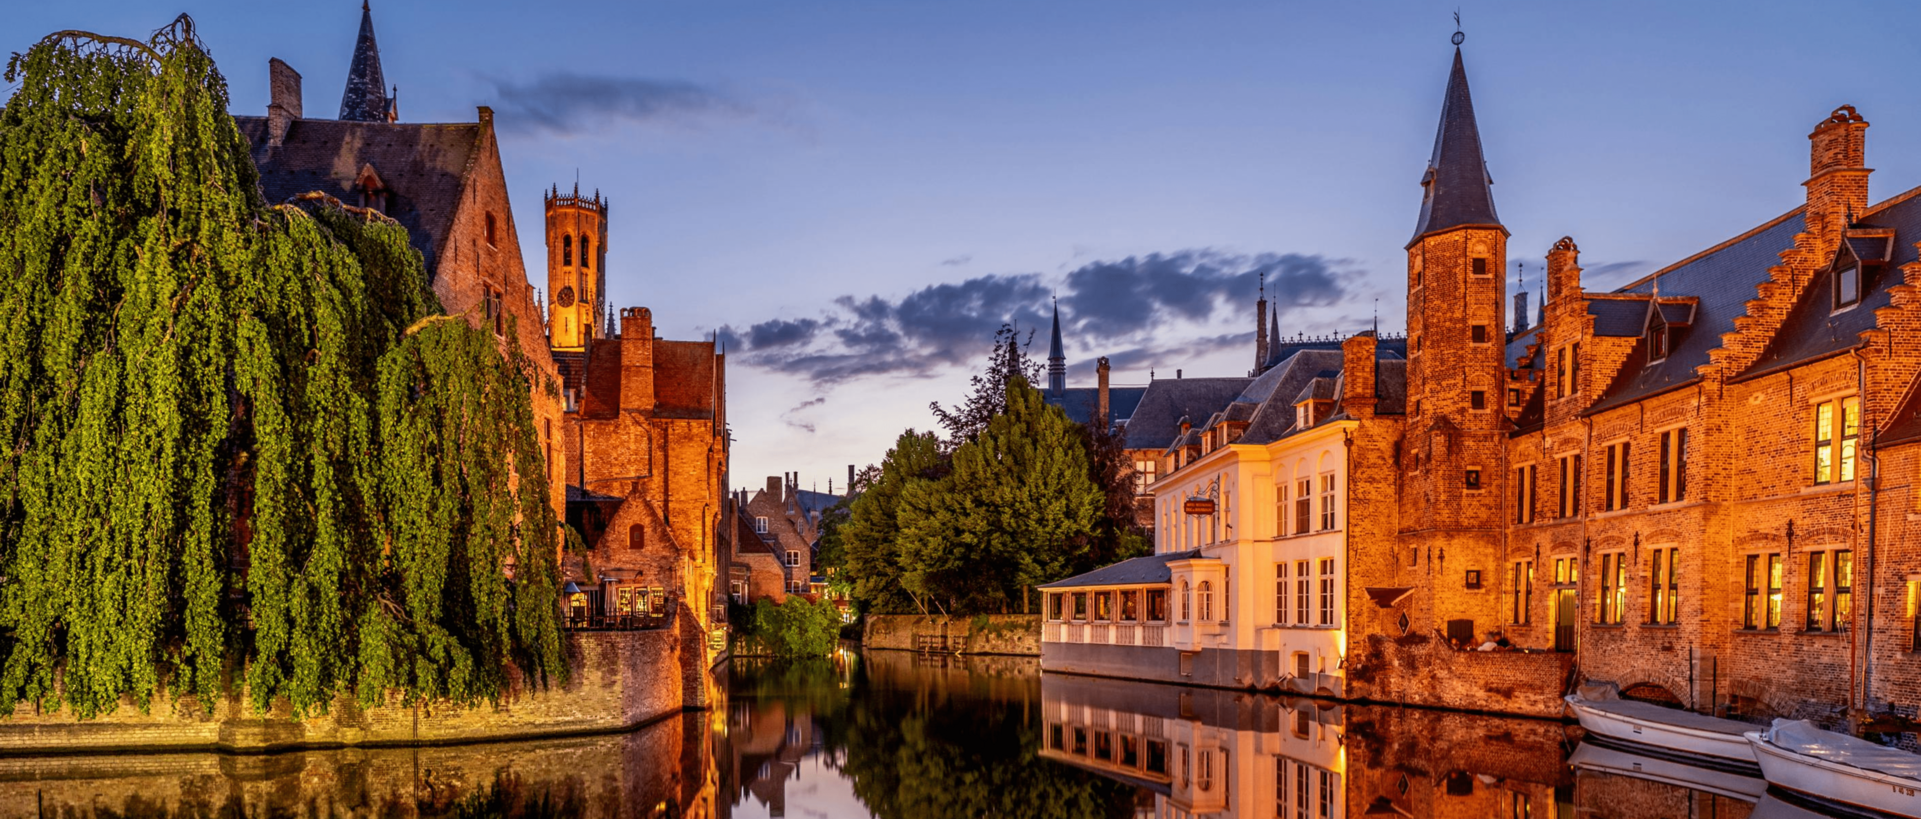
(1177, 373)
(283, 105)
(1520, 312)
(774, 485)
(1563, 272)
(636, 359)
(850, 479)
(1100, 401)
(1357, 375)
(1837, 175)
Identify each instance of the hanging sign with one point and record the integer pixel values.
(1198, 506)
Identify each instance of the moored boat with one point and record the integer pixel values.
(1829, 767)
(1670, 732)
(1592, 757)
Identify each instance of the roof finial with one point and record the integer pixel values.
(1377, 316)
(1458, 36)
(1263, 284)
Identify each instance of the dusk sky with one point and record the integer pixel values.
(856, 194)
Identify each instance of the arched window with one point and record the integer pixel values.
(1207, 600)
(1187, 603)
(586, 255)
(566, 249)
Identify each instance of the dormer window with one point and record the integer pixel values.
(1847, 285)
(1657, 336)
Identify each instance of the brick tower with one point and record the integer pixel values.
(1454, 458)
(576, 267)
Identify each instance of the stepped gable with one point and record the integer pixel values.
(1156, 422)
(421, 168)
(1813, 330)
(1456, 189)
(1723, 278)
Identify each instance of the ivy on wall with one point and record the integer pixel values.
(240, 443)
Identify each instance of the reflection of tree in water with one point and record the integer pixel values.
(935, 743)
(509, 796)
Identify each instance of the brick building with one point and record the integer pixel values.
(443, 182)
(784, 521)
(1700, 486)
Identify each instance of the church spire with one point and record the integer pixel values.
(1260, 328)
(1456, 190)
(365, 99)
(1056, 358)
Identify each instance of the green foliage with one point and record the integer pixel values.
(796, 628)
(1018, 509)
(869, 538)
(238, 436)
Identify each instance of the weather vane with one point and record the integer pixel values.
(1458, 36)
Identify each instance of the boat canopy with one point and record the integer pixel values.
(1801, 737)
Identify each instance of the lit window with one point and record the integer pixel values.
(1761, 605)
(1570, 498)
(1523, 580)
(1613, 592)
(1837, 431)
(1614, 493)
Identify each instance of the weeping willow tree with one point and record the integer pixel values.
(239, 442)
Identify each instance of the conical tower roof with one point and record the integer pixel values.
(1456, 188)
(365, 99)
(1055, 351)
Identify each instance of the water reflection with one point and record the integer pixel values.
(895, 736)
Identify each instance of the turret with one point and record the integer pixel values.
(576, 267)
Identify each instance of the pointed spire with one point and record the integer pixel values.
(1260, 328)
(1274, 332)
(365, 99)
(1056, 358)
(1456, 186)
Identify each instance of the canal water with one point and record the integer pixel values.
(899, 736)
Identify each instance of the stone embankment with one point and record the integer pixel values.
(1014, 634)
(620, 680)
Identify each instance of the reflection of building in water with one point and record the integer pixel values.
(767, 739)
(1213, 753)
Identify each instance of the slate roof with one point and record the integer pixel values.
(1619, 318)
(1724, 278)
(1517, 357)
(1134, 572)
(1275, 419)
(365, 98)
(1156, 421)
(1080, 402)
(1456, 187)
(811, 501)
(424, 167)
(1281, 350)
(1812, 330)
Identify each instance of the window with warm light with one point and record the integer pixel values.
(1664, 589)
(1837, 433)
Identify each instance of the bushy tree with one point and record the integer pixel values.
(1018, 508)
(239, 437)
(869, 540)
(987, 397)
(798, 627)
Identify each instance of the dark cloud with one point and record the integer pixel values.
(1137, 305)
(957, 261)
(567, 103)
(796, 423)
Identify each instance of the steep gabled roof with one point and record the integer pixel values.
(1724, 278)
(365, 98)
(1156, 421)
(1813, 329)
(1457, 189)
(424, 167)
(1080, 402)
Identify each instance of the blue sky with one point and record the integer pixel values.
(857, 193)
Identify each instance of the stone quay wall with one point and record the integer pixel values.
(1426, 671)
(1016, 634)
(620, 680)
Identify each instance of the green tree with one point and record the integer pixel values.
(1019, 508)
(869, 540)
(798, 627)
(239, 436)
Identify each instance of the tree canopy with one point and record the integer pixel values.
(239, 436)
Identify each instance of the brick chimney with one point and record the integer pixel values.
(774, 485)
(1357, 375)
(1563, 271)
(636, 359)
(283, 105)
(1100, 401)
(1837, 174)
(850, 479)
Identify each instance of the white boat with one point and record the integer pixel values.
(1671, 731)
(1838, 768)
(1592, 757)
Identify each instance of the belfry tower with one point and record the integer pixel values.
(576, 267)
(1454, 454)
